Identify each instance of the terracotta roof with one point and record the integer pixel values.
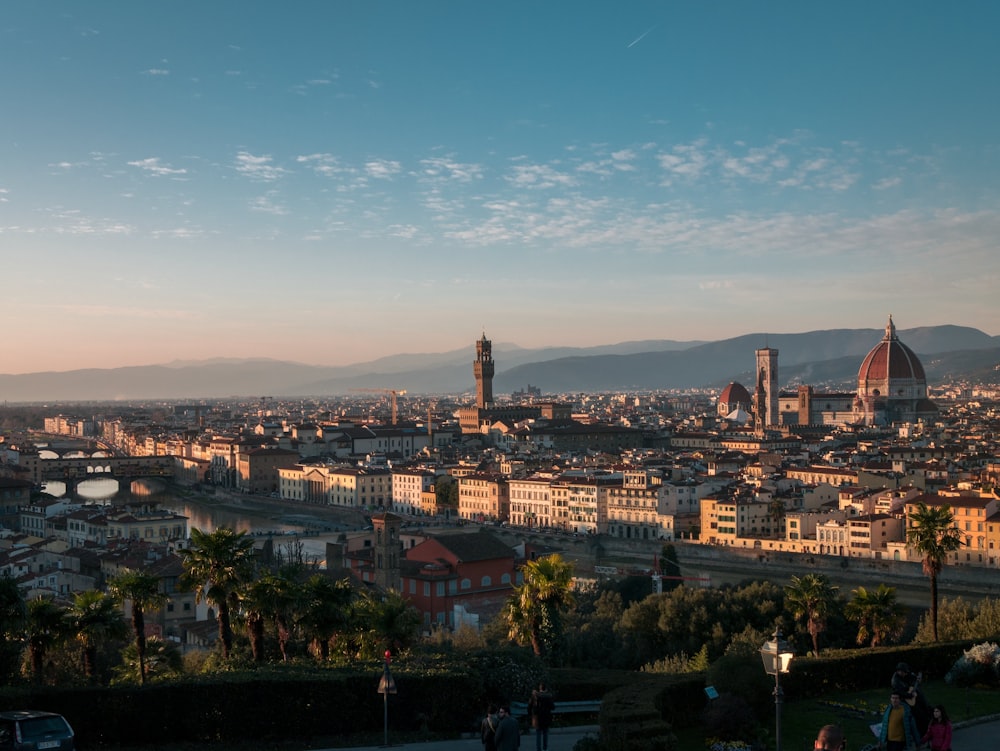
(475, 546)
(890, 358)
(735, 393)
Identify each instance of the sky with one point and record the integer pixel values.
(330, 182)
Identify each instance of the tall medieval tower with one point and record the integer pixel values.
(387, 551)
(765, 397)
(482, 368)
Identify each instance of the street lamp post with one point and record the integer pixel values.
(776, 654)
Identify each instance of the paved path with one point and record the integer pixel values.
(560, 739)
(975, 735)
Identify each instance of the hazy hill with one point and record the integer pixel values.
(827, 359)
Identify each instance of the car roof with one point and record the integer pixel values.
(25, 714)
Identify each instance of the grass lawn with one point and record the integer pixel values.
(855, 712)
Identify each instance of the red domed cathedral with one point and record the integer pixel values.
(892, 388)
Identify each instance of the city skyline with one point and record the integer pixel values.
(330, 183)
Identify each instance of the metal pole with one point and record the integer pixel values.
(777, 710)
(385, 708)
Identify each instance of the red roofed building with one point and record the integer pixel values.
(450, 578)
(453, 575)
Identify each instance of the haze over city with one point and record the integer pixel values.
(333, 182)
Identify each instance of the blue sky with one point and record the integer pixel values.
(328, 182)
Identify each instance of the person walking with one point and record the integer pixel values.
(540, 708)
(899, 731)
(508, 735)
(488, 729)
(830, 738)
(938, 733)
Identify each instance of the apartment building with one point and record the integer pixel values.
(409, 487)
(724, 521)
(531, 502)
(257, 469)
(633, 508)
(360, 487)
(869, 535)
(484, 497)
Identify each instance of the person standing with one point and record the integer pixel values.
(938, 733)
(508, 735)
(899, 731)
(488, 729)
(540, 708)
(907, 684)
(830, 738)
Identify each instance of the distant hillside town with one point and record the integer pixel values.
(747, 467)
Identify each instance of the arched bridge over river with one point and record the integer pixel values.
(78, 469)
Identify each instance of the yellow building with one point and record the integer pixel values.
(484, 497)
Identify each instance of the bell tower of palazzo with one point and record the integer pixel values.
(482, 368)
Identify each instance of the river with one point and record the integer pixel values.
(284, 521)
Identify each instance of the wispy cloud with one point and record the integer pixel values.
(539, 176)
(179, 233)
(383, 169)
(153, 165)
(887, 183)
(450, 169)
(325, 164)
(156, 72)
(687, 161)
(258, 167)
(268, 205)
(74, 222)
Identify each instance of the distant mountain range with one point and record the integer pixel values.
(827, 359)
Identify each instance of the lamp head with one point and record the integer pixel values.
(776, 654)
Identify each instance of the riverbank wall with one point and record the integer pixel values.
(715, 565)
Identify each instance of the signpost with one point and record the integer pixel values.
(386, 686)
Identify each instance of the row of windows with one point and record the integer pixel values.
(453, 585)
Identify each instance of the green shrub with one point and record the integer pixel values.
(978, 666)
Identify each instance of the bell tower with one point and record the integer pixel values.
(765, 397)
(387, 550)
(482, 368)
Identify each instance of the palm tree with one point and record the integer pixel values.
(880, 617)
(96, 619)
(534, 611)
(142, 590)
(811, 597)
(385, 622)
(162, 659)
(47, 627)
(776, 510)
(326, 611)
(217, 565)
(273, 597)
(933, 534)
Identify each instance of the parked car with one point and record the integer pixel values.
(27, 730)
